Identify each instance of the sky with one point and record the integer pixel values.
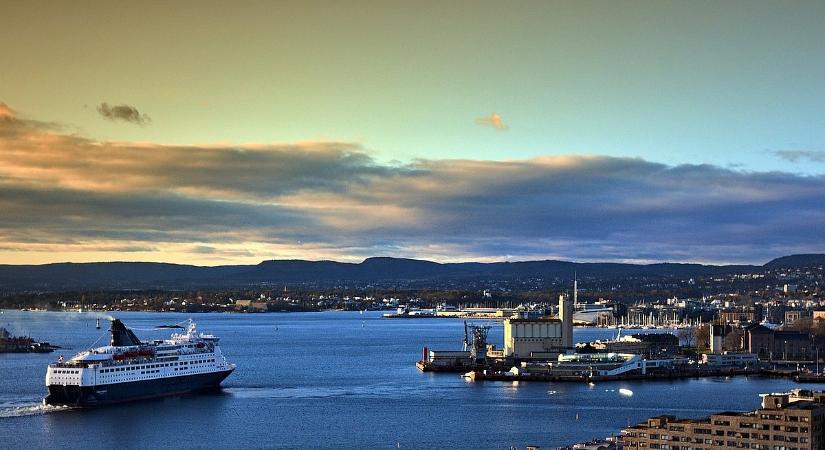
(214, 133)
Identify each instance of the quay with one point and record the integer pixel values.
(498, 371)
(485, 375)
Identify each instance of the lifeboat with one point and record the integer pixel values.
(199, 345)
(146, 352)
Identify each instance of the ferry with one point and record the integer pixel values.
(128, 369)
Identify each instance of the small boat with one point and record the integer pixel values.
(810, 378)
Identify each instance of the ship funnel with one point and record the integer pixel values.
(122, 336)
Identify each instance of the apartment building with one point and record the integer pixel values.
(786, 421)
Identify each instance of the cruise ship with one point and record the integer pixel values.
(128, 369)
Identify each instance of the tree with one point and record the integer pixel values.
(687, 336)
(703, 336)
(733, 340)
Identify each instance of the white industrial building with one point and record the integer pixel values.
(540, 338)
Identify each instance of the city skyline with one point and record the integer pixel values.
(587, 131)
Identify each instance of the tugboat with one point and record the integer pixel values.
(128, 369)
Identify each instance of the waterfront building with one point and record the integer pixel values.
(585, 365)
(788, 421)
(730, 359)
(540, 338)
(789, 345)
(533, 338)
(443, 359)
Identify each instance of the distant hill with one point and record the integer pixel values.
(128, 275)
(804, 260)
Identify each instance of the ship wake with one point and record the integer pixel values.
(8, 410)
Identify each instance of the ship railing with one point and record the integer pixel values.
(107, 363)
(67, 365)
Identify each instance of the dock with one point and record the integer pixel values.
(485, 375)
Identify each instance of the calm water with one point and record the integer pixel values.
(336, 380)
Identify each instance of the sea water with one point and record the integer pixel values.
(336, 380)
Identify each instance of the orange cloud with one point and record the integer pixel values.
(5, 111)
(493, 120)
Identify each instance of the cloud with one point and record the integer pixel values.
(6, 112)
(801, 155)
(493, 120)
(125, 113)
(67, 197)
